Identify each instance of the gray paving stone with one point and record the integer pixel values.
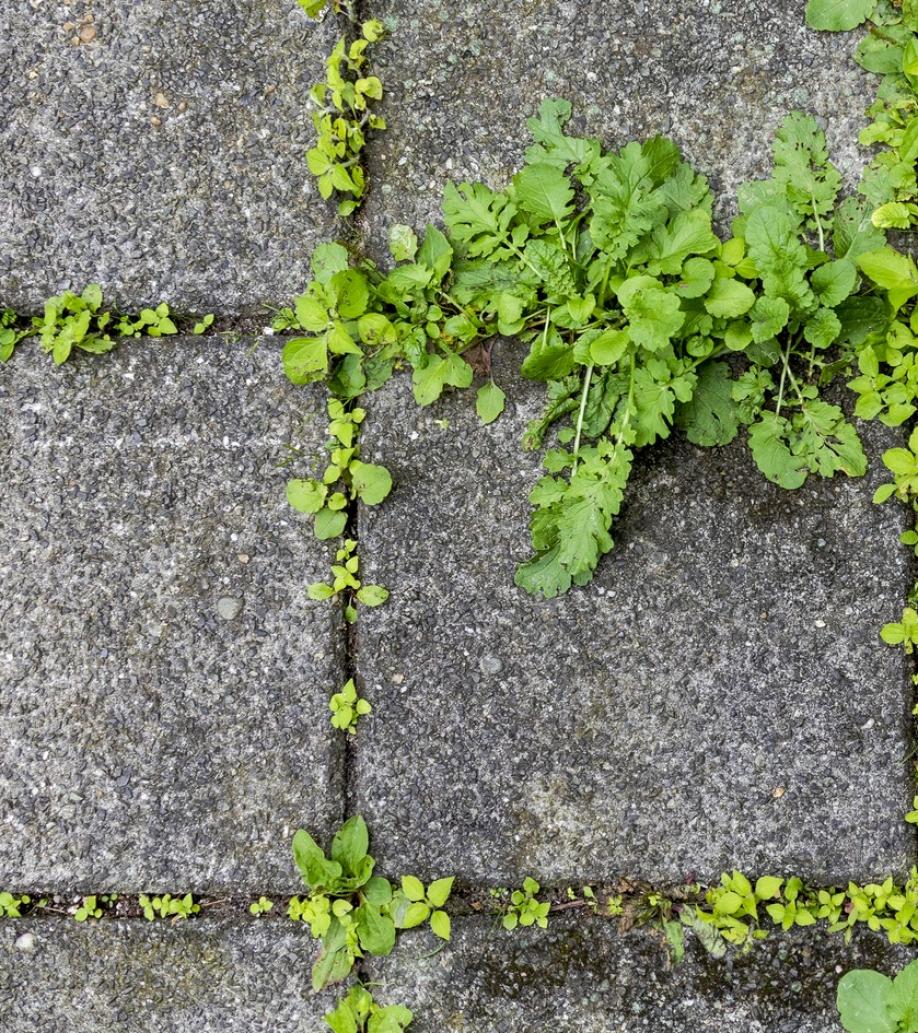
(164, 678)
(581, 976)
(213, 209)
(200, 976)
(718, 697)
(462, 76)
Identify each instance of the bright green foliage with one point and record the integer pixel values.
(203, 324)
(351, 910)
(94, 907)
(524, 909)
(345, 478)
(167, 906)
(343, 116)
(412, 905)
(78, 321)
(890, 49)
(869, 1002)
(635, 315)
(838, 15)
(903, 632)
(261, 906)
(346, 707)
(359, 1013)
(346, 583)
(11, 905)
(734, 906)
(732, 912)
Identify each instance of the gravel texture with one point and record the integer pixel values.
(581, 976)
(165, 680)
(716, 75)
(717, 697)
(165, 157)
(199, 976)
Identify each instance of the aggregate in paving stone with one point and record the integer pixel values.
(461, 78)
(717, 697)
(158, 148)
(164, 679)
(203, 975)
(581, 976)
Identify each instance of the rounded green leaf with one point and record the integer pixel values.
(329, 524)
(489, 402)
(440, 924)
(412, 887)
(862, 1002)
(306, 496)
(371, 482)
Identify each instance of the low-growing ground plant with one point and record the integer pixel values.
(359, 1013)
(351, 910)
(870, 1002)
(347, 707)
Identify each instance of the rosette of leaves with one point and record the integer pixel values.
(352, 911)
(799, 251)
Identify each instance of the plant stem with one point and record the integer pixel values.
(582, 413)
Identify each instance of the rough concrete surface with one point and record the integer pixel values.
(164, 678)
(716, 75)
(164, 156)
(718, 697)
(199, 976)
(581, 976)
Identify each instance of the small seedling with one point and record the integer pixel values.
(261, 906)
(204, 324)
(11, 905)
(94, 906)
(524, 909)
(346, 582)
(346, 707)
(167, 906)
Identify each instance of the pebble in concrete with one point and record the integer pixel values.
(718, 697)
(165, 703)
(158, 149)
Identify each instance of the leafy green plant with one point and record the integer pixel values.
(869, 1002)
(343, 116)
(351, 910)
(345, 478)
(346, 707)
(734, 906)
(346, 583)
(203, 324)
(72, 321)
(12, 905)
(635, 314)
(524, 909)
(94, 906)
(167, 906)
(261, 906)
(413, 905)
(359, 1013)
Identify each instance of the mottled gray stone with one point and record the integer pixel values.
(581, 976)
(205, 975)
(211, 210)
(462, 77)
(148, 743)
(717, 697)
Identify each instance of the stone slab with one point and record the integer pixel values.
(718, 697)
(213, 209)
(164, 678)
(581, 976)
(718, 76)
(204, 975)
